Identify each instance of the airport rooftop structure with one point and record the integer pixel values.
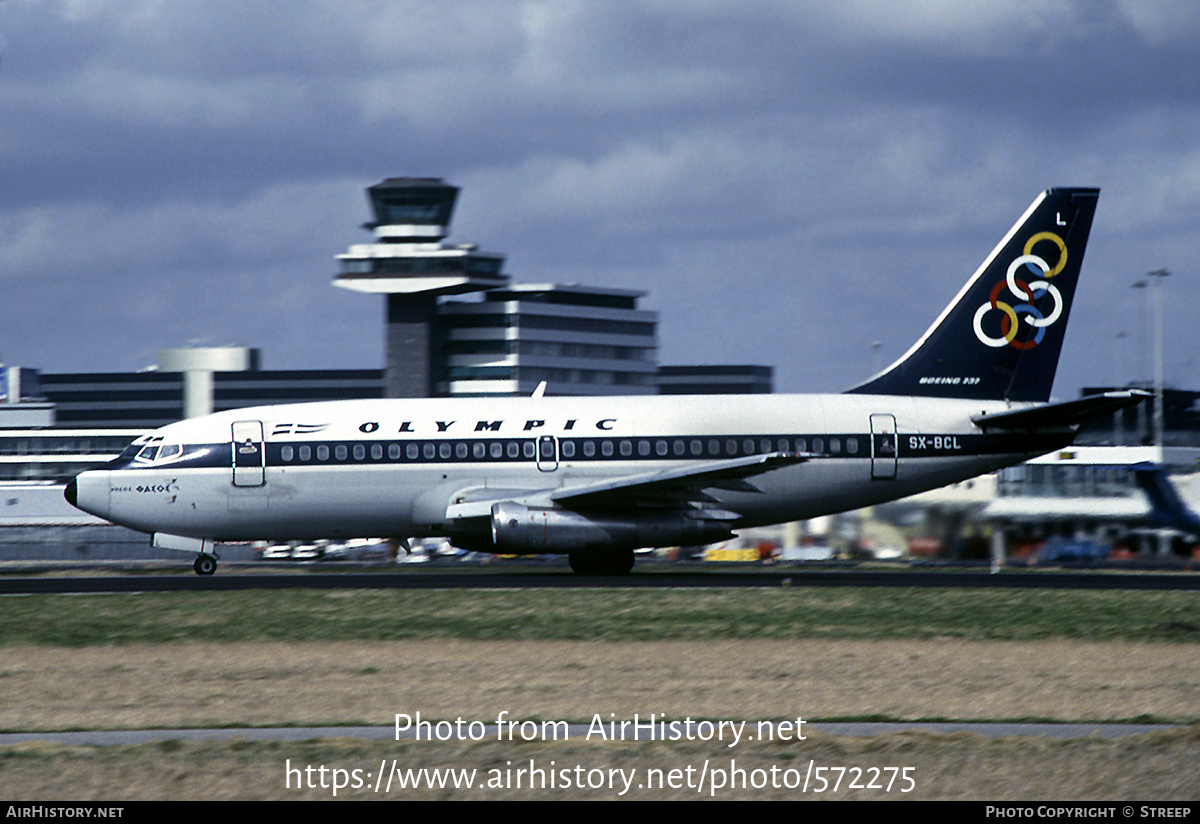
(742, 379)
(579, 340)
(411, 265)
(193, 381)
(21, 401)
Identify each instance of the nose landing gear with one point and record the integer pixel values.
(205, 564)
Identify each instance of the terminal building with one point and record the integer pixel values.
(578, 340)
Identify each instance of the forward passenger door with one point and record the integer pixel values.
(249, 454)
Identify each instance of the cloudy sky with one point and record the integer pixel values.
(790, 181)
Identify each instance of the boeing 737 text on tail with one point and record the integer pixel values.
(598, 477)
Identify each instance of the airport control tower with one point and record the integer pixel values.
(409, 263)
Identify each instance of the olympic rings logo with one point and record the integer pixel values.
(1024, 290)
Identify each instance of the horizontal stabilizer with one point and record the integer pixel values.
(1062, 415)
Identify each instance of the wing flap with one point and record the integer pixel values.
(669, 483)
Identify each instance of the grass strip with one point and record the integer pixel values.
(599, 614)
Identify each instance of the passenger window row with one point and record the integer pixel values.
(569, 449)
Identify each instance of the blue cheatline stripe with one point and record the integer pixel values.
(507, 451)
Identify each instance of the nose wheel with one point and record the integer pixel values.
(205, 564)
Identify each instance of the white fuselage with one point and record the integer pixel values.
(393, 467)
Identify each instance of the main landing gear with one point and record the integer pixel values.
(205, 564)
(602, 563)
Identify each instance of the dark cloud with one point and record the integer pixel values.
(790, 182)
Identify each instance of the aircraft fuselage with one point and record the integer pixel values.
(394, 468)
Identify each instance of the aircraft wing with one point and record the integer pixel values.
(678, 484)
(1064, 414)
(672, 487)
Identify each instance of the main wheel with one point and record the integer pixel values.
(619, 562)
(205, 564)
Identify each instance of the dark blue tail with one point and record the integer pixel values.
(1000, 338)
(1167, 507)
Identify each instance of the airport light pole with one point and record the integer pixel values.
(1158, 275)
(1118, 378)
(1141, 379)
(1141, 335)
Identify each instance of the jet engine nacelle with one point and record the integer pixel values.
(521, 529)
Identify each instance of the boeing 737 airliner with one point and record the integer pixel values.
(598, 477)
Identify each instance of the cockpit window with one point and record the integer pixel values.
(148, 453)
(159, 453)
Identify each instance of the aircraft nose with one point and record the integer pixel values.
(89, 491)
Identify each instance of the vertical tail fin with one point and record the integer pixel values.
(1001, 336)
(1168, 507)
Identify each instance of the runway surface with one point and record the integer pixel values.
(106, 738)
(498, 576)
